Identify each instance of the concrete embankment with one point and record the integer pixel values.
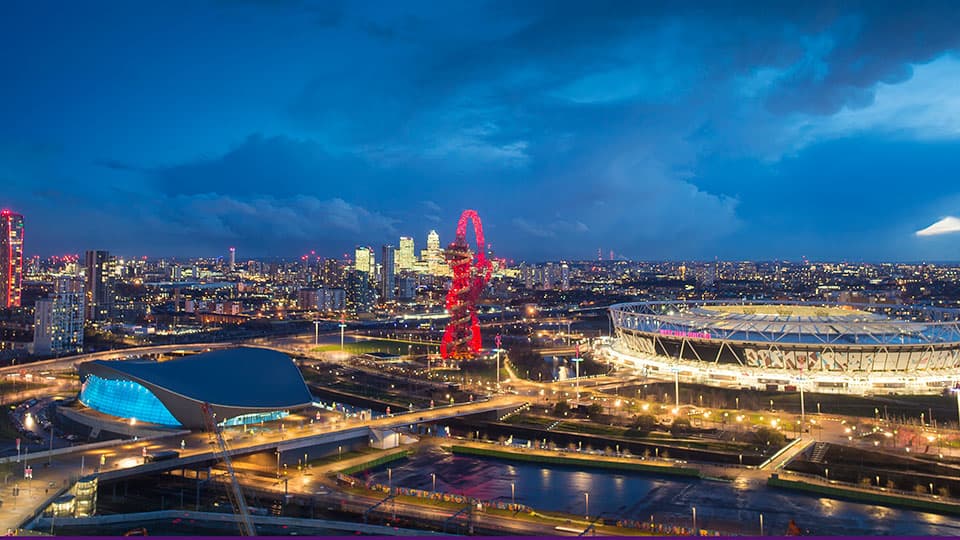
(835, 491)
(375, 462)
(575, 460)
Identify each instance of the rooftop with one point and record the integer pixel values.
(241, 377)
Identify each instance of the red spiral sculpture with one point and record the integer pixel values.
(461, 339)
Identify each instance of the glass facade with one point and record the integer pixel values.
(125, 399)
(254, 418)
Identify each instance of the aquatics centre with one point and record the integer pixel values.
(242, 386)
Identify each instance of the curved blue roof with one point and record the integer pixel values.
(241, 377)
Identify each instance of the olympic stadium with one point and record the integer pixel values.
(859, 349)
(242, 386)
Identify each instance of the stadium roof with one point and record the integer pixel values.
(241, 377)
(790, 322)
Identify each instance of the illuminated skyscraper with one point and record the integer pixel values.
(99, 287)
(364, 260)
(433, 254)
(233, 259)
(11, 258)
(406, 257)
(388, 274)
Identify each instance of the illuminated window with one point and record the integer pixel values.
(125, 399)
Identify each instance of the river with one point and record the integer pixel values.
(728, 507)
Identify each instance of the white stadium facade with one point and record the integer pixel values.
(860, 349)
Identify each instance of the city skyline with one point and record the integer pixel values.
(673, 131)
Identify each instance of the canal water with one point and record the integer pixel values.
(727, 507)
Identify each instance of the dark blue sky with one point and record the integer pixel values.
(656, 129)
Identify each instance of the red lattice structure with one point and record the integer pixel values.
(471, 271)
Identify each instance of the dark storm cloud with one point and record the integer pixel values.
(657, 129)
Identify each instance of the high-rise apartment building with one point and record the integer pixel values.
(58, 319)
(359, 293)
(331, 273)
(11, 258)
(232, 264)
(99, 287)
(564, 277)
(388, 274)
(406, 256)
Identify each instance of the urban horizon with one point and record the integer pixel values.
(481, 267)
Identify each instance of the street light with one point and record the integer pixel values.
(586, 500)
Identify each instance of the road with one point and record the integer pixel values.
(63, 469)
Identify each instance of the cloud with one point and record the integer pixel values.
(925, 107)
(946, 225)
(532, 229)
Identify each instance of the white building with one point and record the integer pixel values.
(58, 319)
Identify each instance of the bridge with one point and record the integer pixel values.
(126, 458)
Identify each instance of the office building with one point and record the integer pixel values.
(388, 274)
(232, 264)
(406, 256)
(364, 260)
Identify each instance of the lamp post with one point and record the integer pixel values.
(958, 404)
(316, 332)
(761, 524)
(676, 386)
(433, 476)
(802, 410)
(278, 463)
(694, 508)
(497, 339)
(343, 325)
(586, 502)
(513, 493)
(576, 360)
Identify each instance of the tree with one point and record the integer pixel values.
(594, 410)
(769, 436)
(561, 408)
(680, 425)
(645, 423)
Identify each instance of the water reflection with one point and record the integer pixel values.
(732, 507)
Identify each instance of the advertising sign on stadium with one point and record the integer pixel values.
(682, 333)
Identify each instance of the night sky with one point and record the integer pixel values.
(659, 130)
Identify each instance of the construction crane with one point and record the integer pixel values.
(234, 494)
